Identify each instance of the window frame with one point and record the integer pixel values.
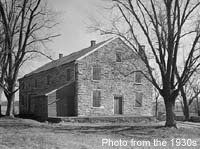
(99, 67)
(118, 96)
(118, 56)
(100, 104)
(136, 72)
(140, 93)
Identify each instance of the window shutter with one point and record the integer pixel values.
(96, 73)
(138, 77)
(96, 98)
(138, 100)
(118, 57)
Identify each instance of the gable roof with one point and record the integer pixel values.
(69, 58)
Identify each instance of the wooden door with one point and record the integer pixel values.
(66, 106)
(118, 105)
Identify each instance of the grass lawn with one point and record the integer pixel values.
(29, 134)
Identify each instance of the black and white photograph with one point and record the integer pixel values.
(99, 74)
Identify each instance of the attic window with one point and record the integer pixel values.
(138, 77)
(118, 56)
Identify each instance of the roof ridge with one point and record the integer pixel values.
(68, 58)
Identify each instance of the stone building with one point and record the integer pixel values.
(104, 79)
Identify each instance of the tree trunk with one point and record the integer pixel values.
(14, 107)
(185, 105)
(170, 115)
(10, 104)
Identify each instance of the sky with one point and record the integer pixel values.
(73, 24)
(73, 18)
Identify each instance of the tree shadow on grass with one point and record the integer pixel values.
(128, 132)
(107, 129)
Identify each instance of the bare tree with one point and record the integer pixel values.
(27, 25)
(2, 61)
(190, 93)
(163, 26)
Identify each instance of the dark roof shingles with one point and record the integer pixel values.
(66, 59)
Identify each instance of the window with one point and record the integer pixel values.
(138, 77)
(36, 83)
(96, 98)
(96, 73)
(68, 74)
(118, 57)
(118, 105)
(48, 80)
(138, 99)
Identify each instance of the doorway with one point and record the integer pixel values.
(118, 105)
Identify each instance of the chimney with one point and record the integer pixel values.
(93, 43)
(60, 55)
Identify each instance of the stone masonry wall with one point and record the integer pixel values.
(36, 84)
(41, 107)
(117, 79)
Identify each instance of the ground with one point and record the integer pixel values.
(29, 134)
